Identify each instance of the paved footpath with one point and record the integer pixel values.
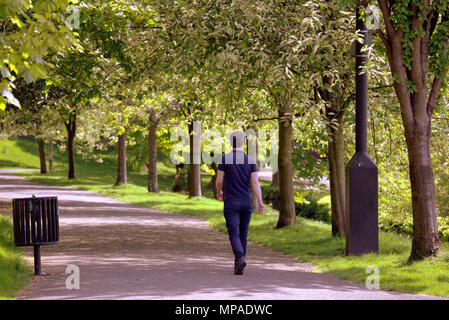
(129, 252)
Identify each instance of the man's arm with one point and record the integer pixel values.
(219, 184)
(256, 188)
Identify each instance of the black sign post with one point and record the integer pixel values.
(362, 235)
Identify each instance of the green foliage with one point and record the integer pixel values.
(308, 207)
(30, 30)
(306, 204)
(180, 180)
(404, 16)
(271, 195)
(306, 162)
(387, 145)
(395, 205)
(137, 151)
(443, 228)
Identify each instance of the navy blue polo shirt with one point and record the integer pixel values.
(237, 167)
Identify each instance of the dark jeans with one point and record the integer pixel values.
(238, 216)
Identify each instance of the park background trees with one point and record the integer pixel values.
(133, 72)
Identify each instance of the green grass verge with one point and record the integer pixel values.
(18, 153)
(14, 272)
(309, 241)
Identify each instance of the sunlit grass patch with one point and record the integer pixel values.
(14, 273)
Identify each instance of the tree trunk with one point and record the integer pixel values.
(275, 179)
(179, 183)
(337, 177)
(50, 156)
(42, 156)
(417, 111)
(287, 214)
(152, 155)
(71, 133)
(425, 241)
(194, 166)
(121, 160)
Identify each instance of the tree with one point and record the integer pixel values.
(30, 30)
(157, 110)
(190, 108)
(325, 60)
(42, 156)
(121, 109)
(71, 125)
(82, 74)
(153, 185)
(34, 118)
(415, 36)
(50, 156)
(122, 177)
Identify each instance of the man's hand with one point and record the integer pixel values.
(261, 208)
(220, 195)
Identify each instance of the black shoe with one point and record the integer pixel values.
(240, 264)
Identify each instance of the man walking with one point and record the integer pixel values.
(236, 175)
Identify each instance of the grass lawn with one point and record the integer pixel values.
(309, 241)
(14, 272)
